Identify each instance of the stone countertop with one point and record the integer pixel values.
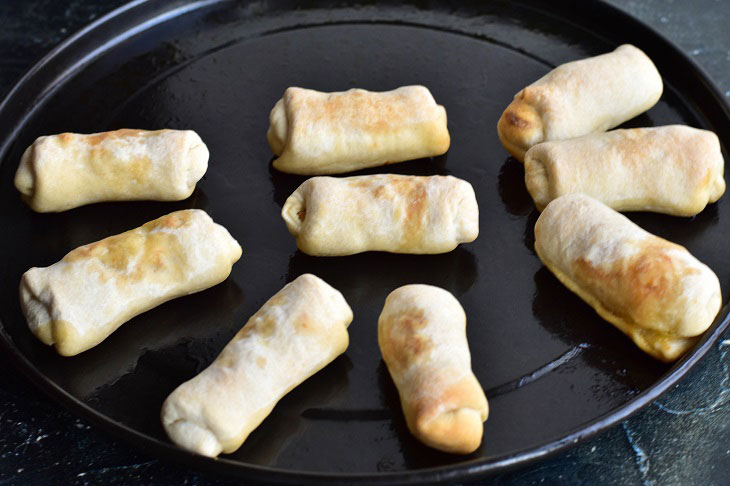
(683, 438)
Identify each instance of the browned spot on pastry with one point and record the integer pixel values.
(304, 323)
(378, 191)
(174, 220)
(364, 109)
(261, 361)
(98, 138)
(263, 327)
(407, 345)
(413, 321)
(639, 288)
(302, 214)
(416, 208)
(65, 138)
(443, 399)
(138, 254)
(226, 359)
(266, 327)
(515, 120)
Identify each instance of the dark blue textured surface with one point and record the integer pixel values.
(679, 440)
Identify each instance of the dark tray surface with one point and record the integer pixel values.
(176, 98)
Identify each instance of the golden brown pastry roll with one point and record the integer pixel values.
(296, 333)
(79, 301)
(581, 97)
(422, 336)
(653, 290)
(65, 171)
(673, 169)
(384, 212)
(329, 133)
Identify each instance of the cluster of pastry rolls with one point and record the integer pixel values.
(314, 133)
(653, 290)
(579, 175)
(79, 301)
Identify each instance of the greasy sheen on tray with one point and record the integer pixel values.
(65, 171)
(383, 212)
(581, 97)
(653, 290)
(296, 333)
(422, 336)
(79, 301)
(672, 169)
(315, 133)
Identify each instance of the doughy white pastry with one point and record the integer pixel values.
(65, 171)
(673, 169)
(653, 290)
(581, 97)
(296, 333)
(422, 336)
(79, 301)
(384, 212)
(329, 133)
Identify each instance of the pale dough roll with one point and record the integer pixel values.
(422, 336)
(60, 172)
(79, 301)
(384, 212)
(328, 133)
(653, 290)
(672, 169)
(581, 97)
(296, 333)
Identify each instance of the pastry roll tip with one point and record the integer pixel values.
(520, 126)
(79, 301)
(385, 212)
(60, 172)
(653, 290)
(672, 169)
(581, 97)
(296, 333)
(422, 337)
(314, 133)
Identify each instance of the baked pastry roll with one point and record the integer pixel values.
(296, 333)
(673, 169)
(422, 336)
(329, 133)
(60, 172)
(383, 212)
(581, 97)
(79, 301)
(653, 290)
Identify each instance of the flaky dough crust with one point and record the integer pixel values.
(296, 333)
(422, 336)
(383, 212)
(673, 169)
(79, 301)
(315, 133)
(653, 290)
(60, 172)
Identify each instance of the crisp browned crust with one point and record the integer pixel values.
(519, 127)
(651, 289)
(421, 336)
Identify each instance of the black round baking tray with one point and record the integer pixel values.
(554, 372)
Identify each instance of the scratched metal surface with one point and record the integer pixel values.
(677, 440)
